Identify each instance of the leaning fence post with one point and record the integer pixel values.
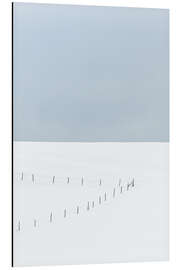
(132, 183)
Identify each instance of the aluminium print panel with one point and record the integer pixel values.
(90, 134)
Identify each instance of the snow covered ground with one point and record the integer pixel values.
(78, 203)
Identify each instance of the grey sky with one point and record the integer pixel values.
(90, 73)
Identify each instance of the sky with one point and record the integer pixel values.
(86, 73)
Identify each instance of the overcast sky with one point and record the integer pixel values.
(90, 73)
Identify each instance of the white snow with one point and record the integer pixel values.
(127, 226)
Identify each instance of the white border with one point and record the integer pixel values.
(5, 140)
(121, 3)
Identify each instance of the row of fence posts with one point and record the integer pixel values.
(89, 205)
(68, 181)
